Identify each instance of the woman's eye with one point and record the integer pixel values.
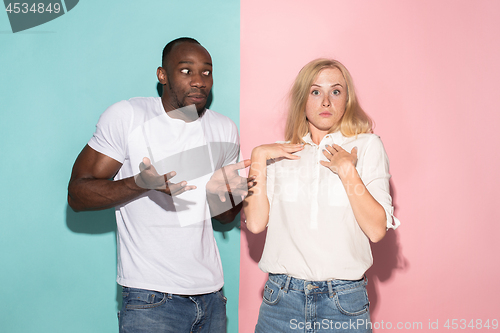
(185, 71)
(336, 92)
(315, 92)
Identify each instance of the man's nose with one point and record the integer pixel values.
(197, 80)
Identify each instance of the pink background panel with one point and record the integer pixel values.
(428, 73)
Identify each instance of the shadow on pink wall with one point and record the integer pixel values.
(387, 259)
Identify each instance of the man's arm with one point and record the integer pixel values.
(91, 187)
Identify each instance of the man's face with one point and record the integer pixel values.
(187, 77)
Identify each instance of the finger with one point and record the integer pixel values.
(327, 154)
(176, 189)
(293, 149)
(239, 193)
(182, 190)
(354, 151)
(291, 157)
(337, 147)
(237, 166)
(251, 184)
(169, 175)
(145, 164)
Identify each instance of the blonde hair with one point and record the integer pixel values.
(353, 122)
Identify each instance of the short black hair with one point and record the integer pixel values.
(168, 48)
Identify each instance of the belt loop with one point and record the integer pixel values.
(365, 279)
(287, 283)
(330, 288)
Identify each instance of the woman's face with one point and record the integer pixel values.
(326, 102)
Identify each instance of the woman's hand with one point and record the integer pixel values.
(276, 150)
(256, 206)
(339, 160)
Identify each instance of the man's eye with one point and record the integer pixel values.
(315, 92)
(207, 73)
(185, 71)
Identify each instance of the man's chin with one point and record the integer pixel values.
(199, 106)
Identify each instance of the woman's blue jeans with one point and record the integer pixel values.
(295, 305)
(146, 311)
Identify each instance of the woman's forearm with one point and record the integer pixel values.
(369, 214)
(256, 206)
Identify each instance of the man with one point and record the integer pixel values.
(168, 261)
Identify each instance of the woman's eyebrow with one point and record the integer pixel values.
(326, 85)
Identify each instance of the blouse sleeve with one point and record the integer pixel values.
(375, 176)
(271, 172)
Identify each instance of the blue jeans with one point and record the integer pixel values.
(294, 305)
(147, 311)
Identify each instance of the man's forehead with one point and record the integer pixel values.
(190, 53)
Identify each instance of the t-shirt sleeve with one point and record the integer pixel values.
(110, 136)
(233, 152)
(376, 177)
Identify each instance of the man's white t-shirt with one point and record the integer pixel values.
(166, 243)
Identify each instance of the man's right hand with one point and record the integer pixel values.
(149, 178)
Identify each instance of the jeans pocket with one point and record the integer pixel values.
(143, 299)
(222, 297)
(352, 302)
(272, 293)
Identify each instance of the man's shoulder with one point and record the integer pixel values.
(219, 127)
(217, 117)
(134, 108)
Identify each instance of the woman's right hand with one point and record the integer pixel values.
(256, 206)
(277, 150)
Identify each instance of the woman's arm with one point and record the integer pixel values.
(256, 206)
(369, 214)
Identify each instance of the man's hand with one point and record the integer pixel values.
(149, 178)
(226, 180)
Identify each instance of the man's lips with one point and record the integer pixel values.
(197, 98)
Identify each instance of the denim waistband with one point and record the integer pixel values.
(131, 289)
(286, 282)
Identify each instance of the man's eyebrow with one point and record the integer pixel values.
(192, 63)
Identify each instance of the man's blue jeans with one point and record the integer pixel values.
(147, 311)
(293, 305)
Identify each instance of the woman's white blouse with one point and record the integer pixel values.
(312, 232)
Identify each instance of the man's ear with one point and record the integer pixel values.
(161, 73)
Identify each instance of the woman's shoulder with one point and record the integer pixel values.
(363, 138)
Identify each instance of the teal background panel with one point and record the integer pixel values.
(59, 267)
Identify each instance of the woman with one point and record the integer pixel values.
(323, 196)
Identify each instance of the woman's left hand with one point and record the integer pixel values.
(339, 160)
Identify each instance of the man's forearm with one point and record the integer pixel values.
(230, 215)
(97, 194)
